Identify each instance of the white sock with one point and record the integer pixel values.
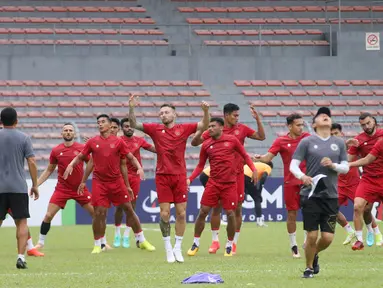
(376, 230)
(359, 235)
(42, 239)
(369, 228)
(229, 243)
(293, 239)
(103, 240)
(30, 244)
(117, 231)
(178, 243)
(127, 231)
(348, 228)
(236, 236)
(304, 236)
(168, 245)
(97, 242)
(259, 220)
(196, 241)
(21, 256)
(140, 237)
(215, 234)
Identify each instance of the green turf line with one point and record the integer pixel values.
(68, 216)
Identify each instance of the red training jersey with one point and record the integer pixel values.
(134, 144)
(62, 156)
(350, 179)
(241, 132)
(220, 153)
(366, 144)
(107, 154)
(286, 146)
(170, 144)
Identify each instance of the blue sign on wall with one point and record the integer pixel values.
(148, 210)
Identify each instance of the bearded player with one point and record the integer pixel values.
(286, 145)
(65, 190)
(370, 186)
(170, 141)
(134, 144)
(241, 131)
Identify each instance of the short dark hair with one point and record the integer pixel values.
(115, 120)
(290, 119)
(8, 116)
(68, 123)
(230, 108)
(336, 126)
(218, 120)
(104, 116)
(364, 115)
(270, 164)
(167, 105)
(123, 120)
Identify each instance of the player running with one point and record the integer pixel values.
(170, 141)
(241, 131)
(347, 185)
(110, 183)
(370, 186)
(255, 192)
(285, 146)
(325, 157)
(134, 144)
(65, 190)
(221, 189)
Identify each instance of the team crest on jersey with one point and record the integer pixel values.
(226, 144)
(136, 144)
(112, 145)
(334, 147)
(177, 132)
(236, 132)
(75, 152)
(61, 153)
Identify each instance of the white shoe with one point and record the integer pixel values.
(261, 224)
(223, 223)
(178, 255)
(39, 246)
(170, 256)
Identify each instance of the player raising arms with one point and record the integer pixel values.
(110, 183)
(65, 190)
(241, 131)
(170, 141)
(134, 144)
(286, 145)
(347, 185)
(370, 185)
(222, 185)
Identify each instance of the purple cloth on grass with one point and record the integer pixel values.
(203, 278)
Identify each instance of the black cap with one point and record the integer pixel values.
(323, 110)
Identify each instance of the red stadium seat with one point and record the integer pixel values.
(354, 103)
(348, 93)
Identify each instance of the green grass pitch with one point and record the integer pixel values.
(263, 260)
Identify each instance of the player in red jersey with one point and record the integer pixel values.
(110, 183)
(241, 132)
(134, 144)
(222, 151)
(170, 141)
(286, 145)
(65, 190)
(370, 185)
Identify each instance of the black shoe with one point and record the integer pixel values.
(308, 273)
(316, 264)
(138, 244)
(103, 246)
(20, 264)
(294, 249)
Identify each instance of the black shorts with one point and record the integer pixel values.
(15, 203)
(319, 212)
(203, 178)
(251, 189)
